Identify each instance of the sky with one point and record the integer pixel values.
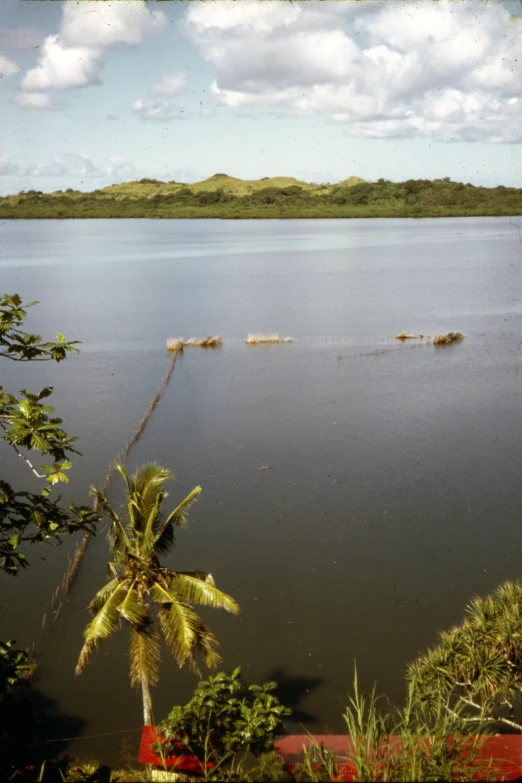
(94, 92)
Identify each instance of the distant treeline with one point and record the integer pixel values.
(413, 198)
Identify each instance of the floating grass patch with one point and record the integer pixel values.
(174, 344)
(206, 342)
(405, 336)
(259, 339)
(449, 337)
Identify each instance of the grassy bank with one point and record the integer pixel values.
(227, 198)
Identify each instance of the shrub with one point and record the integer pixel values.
(223, 717)
(477, 665)
(205, 197)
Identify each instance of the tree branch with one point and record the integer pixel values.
(492, 718)
(23, 359)
(22, 456)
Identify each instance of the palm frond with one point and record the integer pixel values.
(144, 655)
(148, 493)
(105, 622)
(160, 593)
(128, 484)
(113, 568)
(102, 595)
(211, 657)
(87, 650)
(185, 634)
(116, 531)
(166, 541)
(194, 588)
(176, 517)
(132, 608)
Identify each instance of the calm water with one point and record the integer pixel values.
(356, 492)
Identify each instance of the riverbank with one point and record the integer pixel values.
(102, 212)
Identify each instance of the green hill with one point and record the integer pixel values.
(221, 196)
(351, 181)
(147, 188)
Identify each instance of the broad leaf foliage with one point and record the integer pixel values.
(27, 425)
(224, 718)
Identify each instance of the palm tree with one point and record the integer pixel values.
(144, 594)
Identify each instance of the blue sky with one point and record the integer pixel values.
(100, 91)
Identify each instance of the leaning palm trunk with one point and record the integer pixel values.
(147, 596)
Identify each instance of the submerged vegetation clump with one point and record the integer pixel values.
(449, 337)
(205, 342)
(404, 336)
(258, 339)
(174, 343)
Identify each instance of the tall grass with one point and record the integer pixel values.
(398, 745)
(408, 745)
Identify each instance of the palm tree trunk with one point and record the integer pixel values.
(147, 701)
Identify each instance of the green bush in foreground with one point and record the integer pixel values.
(224, 722)
(390, 744)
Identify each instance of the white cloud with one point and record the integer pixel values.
(7, 67)
(170, 85)
(78, 165)
(157, 111)
(34, 100)
(72, 59)
(63, 68)
(91, 23)
(260, 17)
(442, 70)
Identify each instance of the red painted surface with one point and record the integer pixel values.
(506, 750)
(184, 762)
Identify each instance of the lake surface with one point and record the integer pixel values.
(357, 492)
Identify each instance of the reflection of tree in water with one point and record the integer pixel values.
(33, 731)
(291, 690)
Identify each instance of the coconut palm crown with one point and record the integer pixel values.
(147, 596)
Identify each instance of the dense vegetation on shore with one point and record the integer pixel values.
(221, 196)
